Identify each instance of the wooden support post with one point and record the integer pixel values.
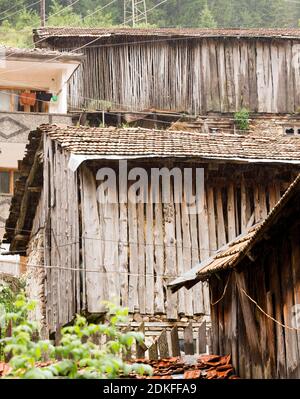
(202, 338)
(188, 340)
(175, 342)
(163, 345)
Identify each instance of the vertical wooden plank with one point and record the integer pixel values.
(111, 240)
(245, 211)
(180, 261)
(123, 251)
(188, 340)
(153, 351)
(159, 306)
(275, 287)
(141, 258)
(262, 202)
(220, 219)
(211, 221)
(204, 246)
(202, 340)
(231, 212)
(163, 345)
(291, 341)
(141, 348)
(92, 256)
(133, 302)
(257, 210)
(187, 255)
(149, 256)
(170, 250)
(175, 342)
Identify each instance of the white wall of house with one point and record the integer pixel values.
(40, 75)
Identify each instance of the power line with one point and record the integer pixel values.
(67, 27)
(19, 11)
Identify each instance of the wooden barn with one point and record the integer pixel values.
(194, 71)
(81, 250)
(255, 293)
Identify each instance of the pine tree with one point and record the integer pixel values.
(207, 19)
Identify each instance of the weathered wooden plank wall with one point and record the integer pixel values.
(147, 245)
(196, 76)
(262, 348)
(61, 218)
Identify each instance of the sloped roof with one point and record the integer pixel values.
(145, 143)
(233, 253)
(104, 33)
(37, 53)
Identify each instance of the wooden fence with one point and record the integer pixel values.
(189, 340)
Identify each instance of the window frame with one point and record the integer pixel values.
(14, 99)
(11, 171)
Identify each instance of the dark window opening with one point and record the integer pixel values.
(289, 130)
(5, 182)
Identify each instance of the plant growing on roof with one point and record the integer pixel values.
(242, 119)
(76, 355)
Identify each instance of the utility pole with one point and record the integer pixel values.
(135, 12)
(43, 12)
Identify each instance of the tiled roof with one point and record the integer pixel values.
(13, 52)
(231, 254)
(141, 143)
(44, 33)
(203, 367)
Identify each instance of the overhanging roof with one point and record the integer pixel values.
(119, 33)
(37, 54)
(229, 256)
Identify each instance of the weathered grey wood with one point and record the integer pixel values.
(149, 256)
(175, 348)
(141, 258)
(220, 220)
(180, 262)
(93, 256)
(202, 339)
(211, 75)
(188, 340)
(159, 258)
(153, 351)
(133, 302)
(231, 212)
(187, 255)
(141, 347)
(170, 251)
(163, 345)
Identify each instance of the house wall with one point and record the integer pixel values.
(215, 74)
(260, 347)
(129, 253)
(14, 130)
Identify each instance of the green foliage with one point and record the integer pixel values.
(62, 16)
(77, 355)
(207, 19)
(241, 119)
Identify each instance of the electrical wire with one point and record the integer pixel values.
(17, 12)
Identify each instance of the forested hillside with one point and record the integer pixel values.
(23, 15)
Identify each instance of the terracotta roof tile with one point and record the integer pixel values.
(138, 142)
(105, 33)
(13, 52)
